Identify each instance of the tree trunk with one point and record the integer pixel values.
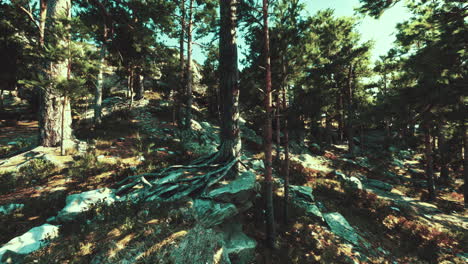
(229, 83)
(99, 86)
(465, 158)
(429, 162)
(270, 225)
(53, 103)
(278, 126)
(350, 113)
(340, 118)
(178, 95)
(189, 81)
(443, 150)
(286, 160)
(130, 87)
(42, 20)
(1, 99)
(138, 85)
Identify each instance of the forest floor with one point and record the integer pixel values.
(397, 222)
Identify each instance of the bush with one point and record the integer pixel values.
(37, 170)
(86, 166)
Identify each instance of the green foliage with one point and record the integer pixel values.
(33, 172)
(86, 166)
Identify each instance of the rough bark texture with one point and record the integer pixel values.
(178, 95)
(278, 126)
(42, 17)
(465, 160)
(350, 114)
(52, 103)
(443, 150)
(286, 161)
(138, 85)
(429, 162)
(229, 81)
(189, 93)
(99, 85)
(267, 137)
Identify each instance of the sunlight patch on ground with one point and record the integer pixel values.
(121, 244)
(157, 246)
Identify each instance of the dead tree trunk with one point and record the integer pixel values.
(270, 225)
(53, 102)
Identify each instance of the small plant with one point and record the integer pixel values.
(86, 166)
(36, 170)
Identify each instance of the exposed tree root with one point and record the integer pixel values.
(177, 181)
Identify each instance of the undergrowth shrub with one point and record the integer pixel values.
(37, 170)
(87, 165)
(34, 171)
(426, 240)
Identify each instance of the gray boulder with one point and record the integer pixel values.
(238, 191)
(342, 228)
(379, 185)
(81, 202)
(28, 242)
(210, 213)
(303, 202)
(239, 248)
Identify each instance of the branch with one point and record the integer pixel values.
(31, 17)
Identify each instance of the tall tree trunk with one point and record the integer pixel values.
(42, 20)
(350, 112)
(138, 85)
(53, 102)
(130, 87)
(464, 135)
(189, 81)
(229, 83)
(443, 150)
(429, 162)
(99, 86)
(270, 224)
(1, 99)
(278, 126)
(286, 160)
(341, 117)
(180, 92)
(328, 128)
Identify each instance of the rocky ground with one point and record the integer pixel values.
(83, 208)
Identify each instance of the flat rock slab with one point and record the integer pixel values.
(340, 226)
(31, 240)
(81, 202)
(238, 191)
(239, 247)
(210, 213)
(379, 184)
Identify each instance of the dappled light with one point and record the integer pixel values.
(233, 131)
